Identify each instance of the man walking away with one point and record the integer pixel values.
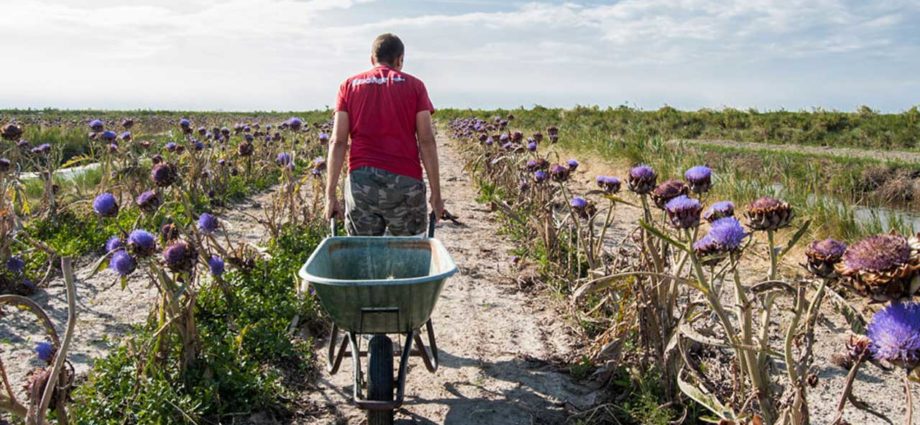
(387, 115)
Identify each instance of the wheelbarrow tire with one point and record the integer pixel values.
(380, 378)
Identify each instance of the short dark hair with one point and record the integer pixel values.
(387, 48)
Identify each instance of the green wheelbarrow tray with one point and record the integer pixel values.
(379, 285)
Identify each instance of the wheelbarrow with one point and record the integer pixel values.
(378, 286)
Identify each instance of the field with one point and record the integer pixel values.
(601, 281)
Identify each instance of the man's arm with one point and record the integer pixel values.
(428, 150)
(338, 145)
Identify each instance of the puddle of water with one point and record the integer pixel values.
(66, 173)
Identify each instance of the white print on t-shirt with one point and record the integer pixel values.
(376, 80)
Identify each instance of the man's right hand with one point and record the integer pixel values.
(333, 209)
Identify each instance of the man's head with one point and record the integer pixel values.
(388, 50)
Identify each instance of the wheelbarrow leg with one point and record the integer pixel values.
(428, 354)
(333, 359)
(356, 360)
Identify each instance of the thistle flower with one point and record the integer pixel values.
(559, 173)
(894, 333)
(881, 267)
(245, 149)
(668, 191)
(109, 136)
(768, 213)
(105, 205)
(141, 243)
(113, 147)
(295, 123)
(683, 212)
(216, 265)
(96, 126)
(15, 264)
(45, 351)
(822, 256)
(224, 131)
(517, 136)
(489, 141)
(122, 263)
(207, 223)
(202, 131)
(572, 164)
(283, 159)
(180, 256)
(642, 179)
(156, 159)
(148, 201)
(23, 144)
(199, 146)
(719, 210)
(540, 176)
(163, 174)
(114, 243)
(5, 165)
(610, 184)
(538, 137)
(700, 178)
(583, 207)
(169, 232)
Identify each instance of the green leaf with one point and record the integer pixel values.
(660, 235)
(124, 282)
(795, 238)
(76, 160)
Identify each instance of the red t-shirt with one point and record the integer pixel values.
(381, 105)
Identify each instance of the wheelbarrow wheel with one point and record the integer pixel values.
(380, 378)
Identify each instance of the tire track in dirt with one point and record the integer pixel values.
(498, 345)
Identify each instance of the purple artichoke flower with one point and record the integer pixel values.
(207, 223)
(163, 174)
(319, 163)
(489, 141)
(45, 351)
(822, 256)
(538, 137)
(186, 125)
(141, 243)
(171, 146)
(707, 250)
(15, 264)
(559, 173)
(11, 132)
(169, 232)
(323, 138)
(126, 123)
(610, 184)
(719, 210)
(894, 333)
(668, 191)
(768, 213)
(180, 256)
(283, 159)
(105, 205)
(642, 179)
(156, 159)
(42, 149)
(216, 264)
(96, 126)
(508, 146)
(202, 131)
(579, 203)
(727, 234)
(109, 136)
(122, 263)
(572, 164)
(700, 178)
(23, 145)
(517, 137)
(148, 201)
(295, 123)
(540, 176)
(245, 149)
(532, 146)
(553, 133)
(114, 243)
(126, 136)
(5, 165)
(198, 145)
(881, 266)
(113, 147)
(683, 212)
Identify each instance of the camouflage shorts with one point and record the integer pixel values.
(377, 200)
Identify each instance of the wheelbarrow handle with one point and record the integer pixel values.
(431, 222)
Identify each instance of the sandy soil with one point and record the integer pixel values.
(501, 349)
(884, 155)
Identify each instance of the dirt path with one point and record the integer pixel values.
(499, 346)
(882, 155)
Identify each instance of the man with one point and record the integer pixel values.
(387, 115)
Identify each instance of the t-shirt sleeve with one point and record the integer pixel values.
(341, 100)
(423, 103)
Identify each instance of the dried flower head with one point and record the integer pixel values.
(148, 201)
(180, 256)
(882, 267)
(667, 191)
(768, 213)
(5, 165)
(559, 173)
(823, 255)
(163, 174)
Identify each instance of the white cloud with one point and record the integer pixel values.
(290, 54)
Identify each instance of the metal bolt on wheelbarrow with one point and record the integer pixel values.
(378, 286)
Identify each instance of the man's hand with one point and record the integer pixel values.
(437, 207)
(333, 209)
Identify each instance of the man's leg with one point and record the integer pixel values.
(362, 214)
(403, 205)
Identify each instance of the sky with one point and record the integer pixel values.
(245, 55)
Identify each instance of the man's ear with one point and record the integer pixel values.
(399, 62)
(373, 60)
